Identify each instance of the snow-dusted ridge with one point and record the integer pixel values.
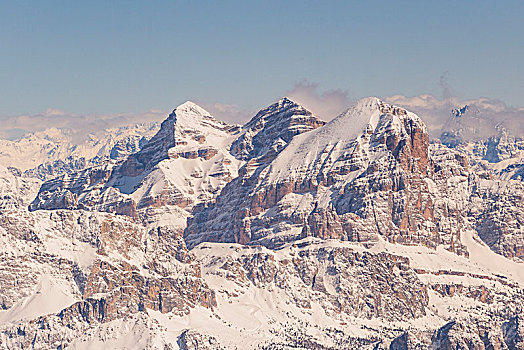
(352, 125)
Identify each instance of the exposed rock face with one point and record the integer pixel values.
(372, 172)
(186, 163)
(357, 284)
(90, 274)
(400, 342)
(457, 335)
(513, 332)
(454, 335)
(498, 208)
(192, 340)
(127, 291)
(273, 128)
(153, 152)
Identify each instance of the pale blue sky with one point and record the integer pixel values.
(131, 56)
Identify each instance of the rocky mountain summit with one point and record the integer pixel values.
(285, 233)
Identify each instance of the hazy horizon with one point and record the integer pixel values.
(101, 58)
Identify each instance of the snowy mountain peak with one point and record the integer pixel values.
(283, 107)
(272, 128)
(285, 101)
(370, 101)
(190, 116)
(370, 123)
(365, 113)
(458, 112)
(374, 103)
(191, 107)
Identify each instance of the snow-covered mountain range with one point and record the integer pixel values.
(52, 152)
(284, 233)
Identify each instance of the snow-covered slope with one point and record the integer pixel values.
(285, 233)
(16, 191)
(343, 133)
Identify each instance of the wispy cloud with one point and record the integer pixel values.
(81, 125)
(484, 117)
(228, 113)
(447, 90)
(325, 105)
(485, 114)
(434, 111)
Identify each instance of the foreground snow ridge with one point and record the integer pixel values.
(284, 233)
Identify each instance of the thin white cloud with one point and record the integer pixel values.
(228, 113)
(326, 105)
(484, 118)
(434, 111)
(80, 125)
(447, 90)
